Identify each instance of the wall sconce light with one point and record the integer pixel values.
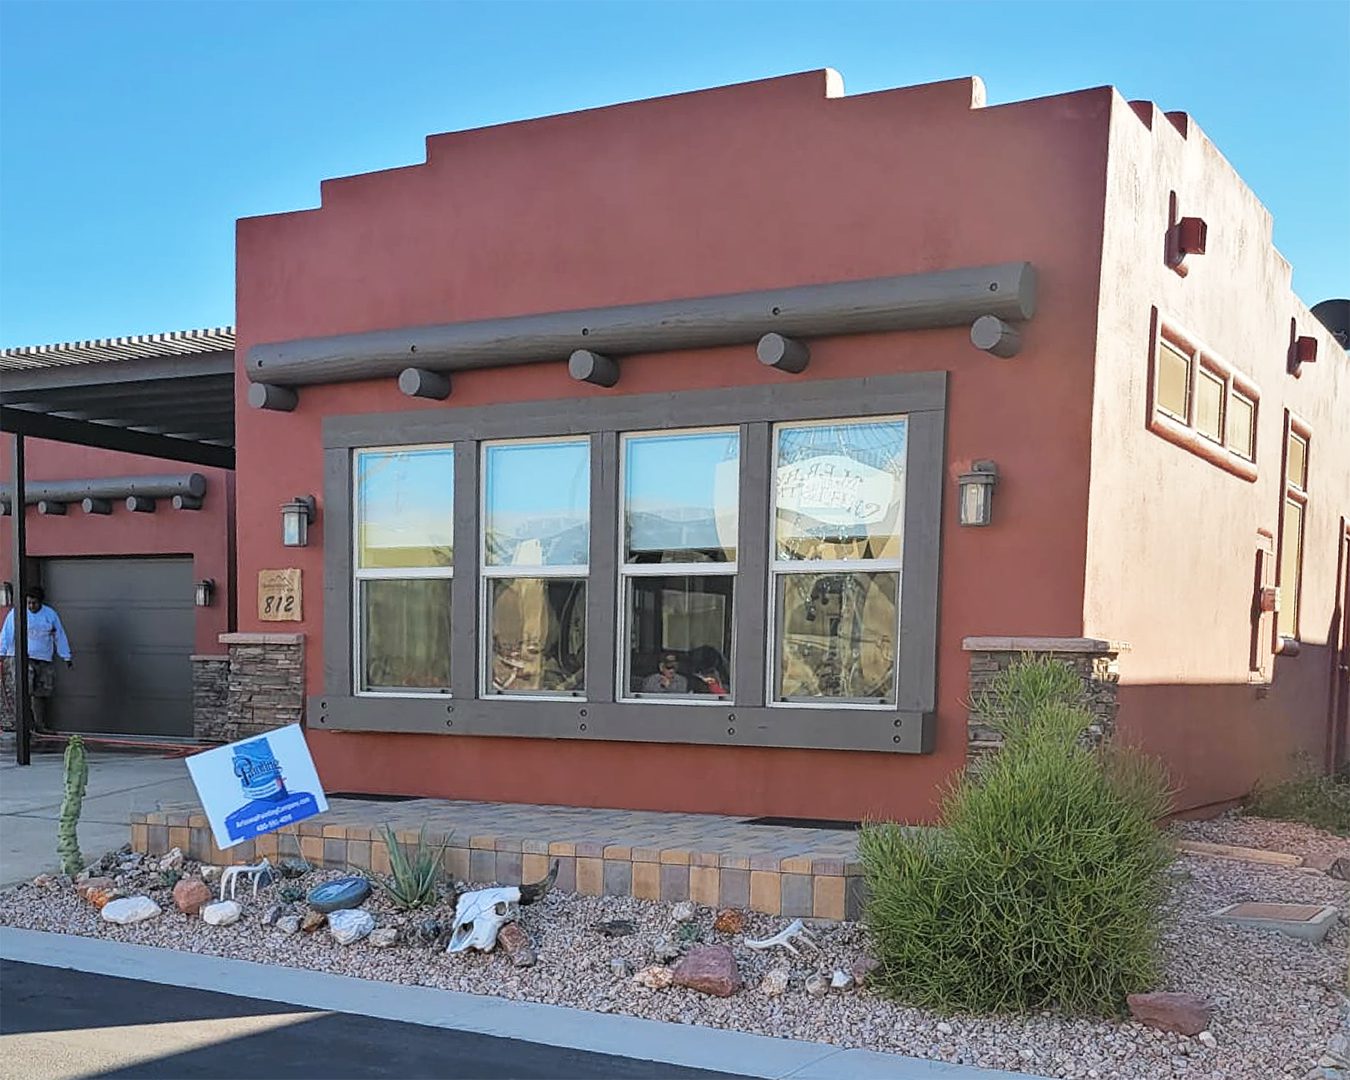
(296, 518)
(203, 591)
(977, 493)
(6, 594)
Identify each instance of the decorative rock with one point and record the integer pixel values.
(86, 885)
(841, 980)
(222, 913)
(709, 969)
(729, 921)
(350, 925)
(211, 873)
(99, 898)
(655, 977)
(944, 1028)
(173, 860)
(775, 982)
(294, 868)
(512, 938)
(190, 895)
(275, 913)
(863, 967)
(817, 985)
(43, 880)
(1208, 1039)
(312, 921)
(619, 966)
(289, 924)
(429, 932)
(616, 928)
(666, 951)
(132, 909)
(1339, 868)
(384, 937)
(1186, 1014)
(344, 893)
(684, 911)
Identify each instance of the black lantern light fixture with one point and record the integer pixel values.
(204, 591)
(296, 518)
(6, 594)
(977, 493)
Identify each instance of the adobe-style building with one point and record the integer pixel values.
(704, 453)
(129, 510)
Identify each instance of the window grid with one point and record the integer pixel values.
(1293, 525)
(780, 569)
(629, 570)
(362, 574)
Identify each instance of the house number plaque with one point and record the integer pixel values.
(279, 595)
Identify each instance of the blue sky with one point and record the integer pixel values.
(133, 134)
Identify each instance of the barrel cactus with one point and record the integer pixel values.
(77, 777)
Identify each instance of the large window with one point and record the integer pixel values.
(838, 523)
(536, 555)
(404, 559)
(680, 518)
(1293, 514)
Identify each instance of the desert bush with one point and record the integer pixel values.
(414, 872)
(1043, 884)
(1308, 796)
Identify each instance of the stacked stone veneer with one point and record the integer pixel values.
(804, 885)
(263, 686)
(1094, 659)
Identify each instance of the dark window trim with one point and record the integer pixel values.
(1294, 425)
(746, 720)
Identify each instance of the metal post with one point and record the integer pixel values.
(20, 672)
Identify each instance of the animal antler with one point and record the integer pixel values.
(793, 932)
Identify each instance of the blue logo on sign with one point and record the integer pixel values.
(269, 805)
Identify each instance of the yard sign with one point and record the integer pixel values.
(256, 785)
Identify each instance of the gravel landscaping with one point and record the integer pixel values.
(1277, 1001)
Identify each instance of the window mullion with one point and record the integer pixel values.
(602, 588)
(751, 605)
(464, 585)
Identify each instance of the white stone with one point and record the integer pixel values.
(173, 860)
(775, 982)
(655, 977)
(684, 911)
(817, 985)
(350, 925)
(210, 873)
(384, 937)
(841, 980)
(944, 1028)
(289, 924)
(222, 913)
(1208, 1039)
(130, 909)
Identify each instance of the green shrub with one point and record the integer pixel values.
(414, 873)
(1308, 796)
(1042, 889)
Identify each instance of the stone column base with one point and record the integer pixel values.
(210, 698)
(266, 683)
(1094, 659)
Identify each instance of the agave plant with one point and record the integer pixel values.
(415, 872)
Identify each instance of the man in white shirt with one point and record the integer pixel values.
(46, 641)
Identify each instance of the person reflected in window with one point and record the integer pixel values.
(708, 672)
(666, 679)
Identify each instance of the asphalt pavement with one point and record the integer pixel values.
(57, 1023)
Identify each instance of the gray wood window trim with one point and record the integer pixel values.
(747, 720)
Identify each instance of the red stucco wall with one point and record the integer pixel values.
(1171, 537)
(204, 534)
(767, 184)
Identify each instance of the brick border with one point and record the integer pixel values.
(795, 886)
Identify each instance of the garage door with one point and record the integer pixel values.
(131, 624)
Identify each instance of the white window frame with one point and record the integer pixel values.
(360, 574)
(628, 571)
(488, 573)
(784, 567)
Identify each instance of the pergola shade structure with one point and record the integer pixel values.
(168, 396)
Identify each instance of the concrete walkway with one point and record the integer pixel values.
(119, 784)
(605, 1033)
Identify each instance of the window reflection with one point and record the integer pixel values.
(405, 508)
(405, 634)
(837, 636)
(679, 633)
(537, 504)
(537, 628)
(840, 490)
(680, 493)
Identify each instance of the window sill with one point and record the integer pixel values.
(1188, 438)
(890, 730)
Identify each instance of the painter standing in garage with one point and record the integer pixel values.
(46, 641)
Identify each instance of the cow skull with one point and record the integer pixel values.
(480, 914)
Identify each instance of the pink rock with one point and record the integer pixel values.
(94, 885)
(863, 967)
(709, 969)
(190, 895)
(1186, 1014)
